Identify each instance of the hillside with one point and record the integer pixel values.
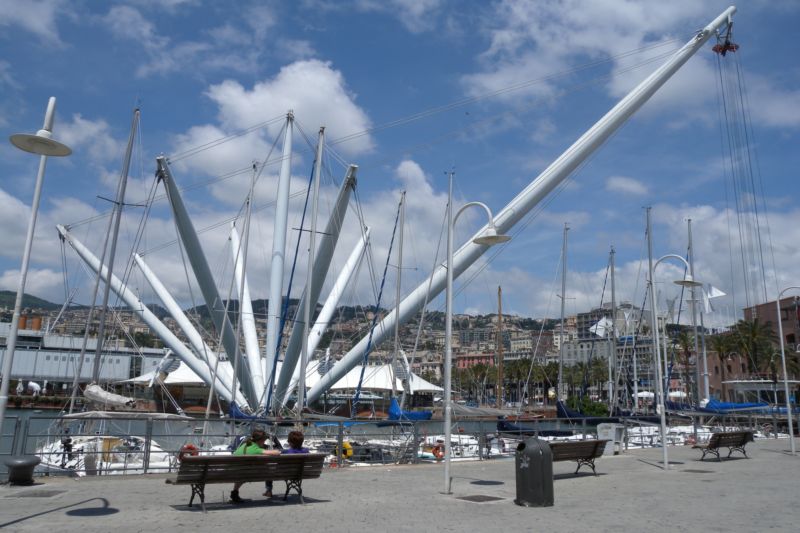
(7, 299)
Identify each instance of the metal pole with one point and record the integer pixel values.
(612, 353)
(278, 253)
(448, 334)
(783, 366)
(310, 300)
(116, 216)
(656, 346)
(397, 293)
(499, 392)
(560, 393)
(11, 344)
(694, 321)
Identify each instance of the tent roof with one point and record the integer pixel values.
(375, 378)
(183, 375)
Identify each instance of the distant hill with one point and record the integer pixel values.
(7, 299)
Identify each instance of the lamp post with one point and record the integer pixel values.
(687, 281)
(783, 365)
(489, 238)
(42, 144)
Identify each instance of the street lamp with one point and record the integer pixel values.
(783, 364)
(489, 237)
(39, 143)
(687, 281)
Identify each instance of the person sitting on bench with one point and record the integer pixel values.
(253, 445)
(295, 440)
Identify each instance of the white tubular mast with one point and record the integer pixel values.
(324, 318)
(201, 349)
(534, 193)
(322, 262)
(278, 250)
(205, 279)
(198, 367)
(248, 319)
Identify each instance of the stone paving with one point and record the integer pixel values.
(631, 493)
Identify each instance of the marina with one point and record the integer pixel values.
(275, 290)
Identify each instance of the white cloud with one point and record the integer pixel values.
(91, 136)
(239, 43)
(532, 40)
(416, 15)
(36, 16)
(42, 282)
(313, 89)
(771, 105)
(625, 185)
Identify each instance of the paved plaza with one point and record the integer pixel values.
(631, 493)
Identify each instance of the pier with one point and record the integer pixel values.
(630, 493)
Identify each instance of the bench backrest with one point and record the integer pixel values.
(224, 468)
(577, 449)
(726, 439)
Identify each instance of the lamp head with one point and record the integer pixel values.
(491, 237)
(688, 282)
(40, 143)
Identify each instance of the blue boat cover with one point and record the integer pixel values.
(395, 413)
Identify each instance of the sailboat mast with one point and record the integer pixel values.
(397, 292)
(659, 397)
(499, 347)
(561, 394)
(702, 328)
(612, 338)
(117, 214)
(312, 245)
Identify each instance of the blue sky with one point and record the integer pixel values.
(203, 70)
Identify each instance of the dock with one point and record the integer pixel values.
(630, 493)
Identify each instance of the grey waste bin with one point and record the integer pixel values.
(534, 469)
(20, 469)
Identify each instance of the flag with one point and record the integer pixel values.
(709, 292)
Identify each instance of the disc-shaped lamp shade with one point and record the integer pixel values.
(491, 237)
(41, 144)
(688, 282)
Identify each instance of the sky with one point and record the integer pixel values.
(408, 91)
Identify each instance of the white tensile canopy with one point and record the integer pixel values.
(375, 378)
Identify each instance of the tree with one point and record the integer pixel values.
(722, 344)
(756, 341)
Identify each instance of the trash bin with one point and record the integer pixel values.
(20, 469)
(534, 469)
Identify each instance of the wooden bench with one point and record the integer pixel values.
(200, 470)
(582, 451)
(735, 441)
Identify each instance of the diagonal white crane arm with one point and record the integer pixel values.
(525, 201)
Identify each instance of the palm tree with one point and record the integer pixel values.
(756, 341)
(722, 344)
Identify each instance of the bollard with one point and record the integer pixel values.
(20, 469)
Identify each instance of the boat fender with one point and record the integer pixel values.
(347, 450)
(438, 451)
(187, 449)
